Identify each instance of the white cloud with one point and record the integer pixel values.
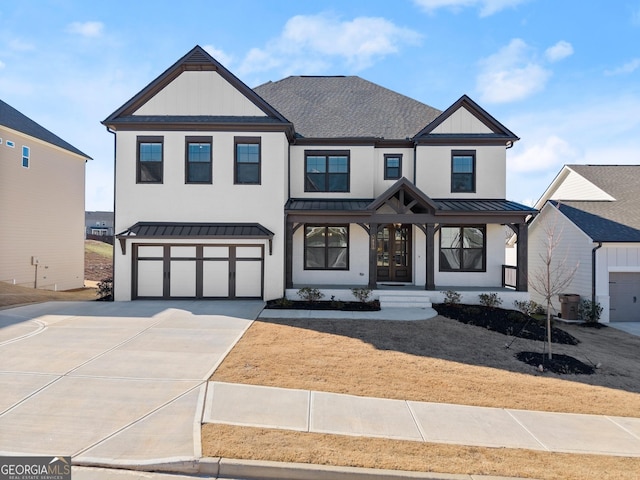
(309, 43)
(550, 154)
(511, 74)
(86, 29)
(487, 7)
(559, 51)
(627, 68)
(219, 55)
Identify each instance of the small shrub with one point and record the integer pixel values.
(362, 294)
(105, 289)
(540, 310)
(309, 294)
(528, 308)
(283, 302)
(452, 297)
(490, 300)
(589, 312)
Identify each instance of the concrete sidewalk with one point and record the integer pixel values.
(321, 412)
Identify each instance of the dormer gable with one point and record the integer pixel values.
(196, 88)
(403, 197)
(466, 120)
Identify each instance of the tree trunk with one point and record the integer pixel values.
(549, 328)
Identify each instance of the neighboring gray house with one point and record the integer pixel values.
(41, 205)
(98, 223)
(596, 211)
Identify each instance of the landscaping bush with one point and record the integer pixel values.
(362, 294)
(452, 297)
(309, 294)
(490, 300)
(589, 312)
(105, 290)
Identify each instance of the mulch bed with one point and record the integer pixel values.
(561, 364)
(507, 322)
(332, 305)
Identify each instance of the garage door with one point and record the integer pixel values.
(624, 292)
(198, 271)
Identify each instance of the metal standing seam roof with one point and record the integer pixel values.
(443, 205)
(346, 107)
(204, 230)
(13, 119)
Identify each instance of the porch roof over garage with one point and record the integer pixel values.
(199, 230)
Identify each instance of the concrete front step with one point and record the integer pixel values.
(405, 300)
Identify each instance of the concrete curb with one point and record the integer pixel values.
(268, 470)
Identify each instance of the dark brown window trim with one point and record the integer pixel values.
(326, 247)
(149, 139)
(388, 156)
(328, 153)
(198, 139)
(246, 140)
(459, 153)
(483, 269)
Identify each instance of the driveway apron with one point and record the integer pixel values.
(112, 383)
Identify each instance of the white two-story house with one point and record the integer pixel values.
(223, 191)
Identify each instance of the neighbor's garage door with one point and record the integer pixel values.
(624, 293)
(198, 271)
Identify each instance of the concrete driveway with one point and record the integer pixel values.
(630, 327)
(112, 383)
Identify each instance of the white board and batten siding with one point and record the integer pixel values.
(462, 121)
(576, 187)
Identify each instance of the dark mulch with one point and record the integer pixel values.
(507, 322)
(331, 305)
(561, 364)
(595, 325)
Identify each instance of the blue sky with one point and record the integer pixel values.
(563, 75)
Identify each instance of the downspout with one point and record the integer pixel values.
(593, 279)
(113, 257)
(415, 162)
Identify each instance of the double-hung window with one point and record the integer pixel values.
(198, 165)
(150, 160)
(463, 171)
(326, 171)
(462, 249)
(247, 161)
(326, 247)
(392, 167)
(26, 155)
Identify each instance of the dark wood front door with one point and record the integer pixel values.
(394, 254)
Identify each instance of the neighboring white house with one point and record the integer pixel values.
(330, 182)
(41, 205)
(595, 210)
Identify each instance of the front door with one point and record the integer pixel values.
(394, 254)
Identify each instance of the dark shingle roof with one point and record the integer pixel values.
(346, 107)
(12, 118)
(202, 230)
(608, 221)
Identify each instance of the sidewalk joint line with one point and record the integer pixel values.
(415, 420)
(622, 427)
(527, 430)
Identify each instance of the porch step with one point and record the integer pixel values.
(404, 300)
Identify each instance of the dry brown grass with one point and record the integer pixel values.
(287, 446)
(13, 295)
(437, 360)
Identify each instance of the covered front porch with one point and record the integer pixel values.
(403, 240)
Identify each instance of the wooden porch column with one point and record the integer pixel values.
(288, 255)
(522, 273)
(373, 256)
(430, 257)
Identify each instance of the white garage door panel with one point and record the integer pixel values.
(248, 252)
(215, 281)
(183, 279)
(248, 279)
(624, 291)
(183, 252)
(150, 275)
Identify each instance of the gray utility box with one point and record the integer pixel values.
(569, 303)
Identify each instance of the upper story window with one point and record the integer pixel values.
(326, 247)
(392, 167)
(247, 170)
(10, 144)
(462, 249)
(463, 171)
(198, 165)
(326, 171)
(26, 155)
(150, 160)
